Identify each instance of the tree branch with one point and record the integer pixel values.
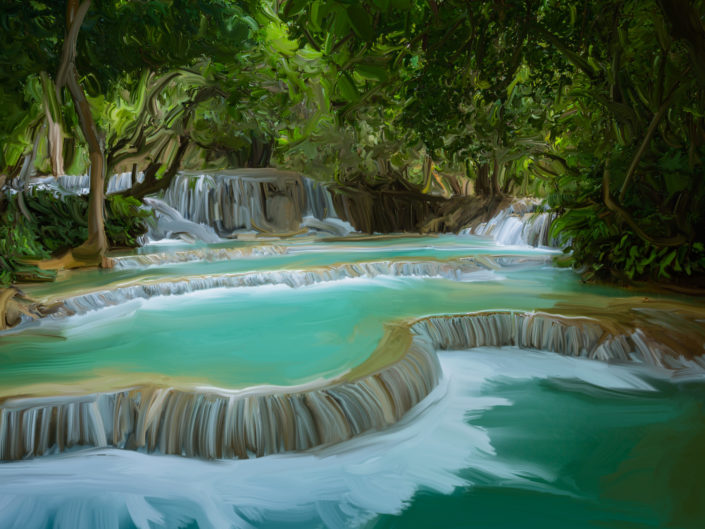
(649, 134)
(616, 208)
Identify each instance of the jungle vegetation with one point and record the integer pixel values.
(598, 106)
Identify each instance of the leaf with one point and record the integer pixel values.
(346, 88)
(293, 6)
(382, 5)
(667, 261)
(372, 72)
(675, 182)
(360, 22)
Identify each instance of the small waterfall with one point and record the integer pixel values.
(572, 336)
(170, 223)
(520, 224)
(220, 424)
(80, 184)
(320, 211)
(457, 270)
(319, 201)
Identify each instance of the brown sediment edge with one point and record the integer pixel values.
(403, 370)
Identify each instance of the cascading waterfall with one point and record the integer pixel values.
(199, 254)
(256, 422)
(458, 270)
(572, 336)
(243, 199)
(80, 184)
(170, 223)
(220, 424)
(319, 201)
(521, 223)
(268, 200)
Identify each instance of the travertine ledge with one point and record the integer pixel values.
(404, 369)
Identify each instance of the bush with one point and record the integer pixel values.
(610, 250)
(58, 223)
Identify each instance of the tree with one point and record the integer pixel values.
(106, 42)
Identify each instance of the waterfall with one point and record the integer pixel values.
(572, 336)
(458, 270)
(319, 201)
(320, 211)
(198, 254)
(169, 223)
(522, 223)
(268, 199)
(217, 423)
(80, 184)
(214, 423)
(241, 199)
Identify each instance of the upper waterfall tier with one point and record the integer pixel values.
(269, 200)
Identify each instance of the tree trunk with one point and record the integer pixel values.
(56, 144)
(260, 152)
(91, 252)
(495, 189)
(482, 182)
(95, 246)
(23, 178)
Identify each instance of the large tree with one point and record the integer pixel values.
(101, 44)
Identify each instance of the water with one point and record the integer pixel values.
(507, 437)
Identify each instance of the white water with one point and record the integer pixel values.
(255, 199)
(80, 184)
(520, 224)
(169, 223)
(339, 486)
(458, 270)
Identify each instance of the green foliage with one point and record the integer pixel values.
(600, 105)
(546, 92)
(17, 242)
(608, 251)
(125, 220)
(58, 223)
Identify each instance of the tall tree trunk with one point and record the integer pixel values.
(56, 144)
(482, 181)
(95, 246)
(495, 189)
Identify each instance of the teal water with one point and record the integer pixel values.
(509, 439)
(618, 459)
(275, 335)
